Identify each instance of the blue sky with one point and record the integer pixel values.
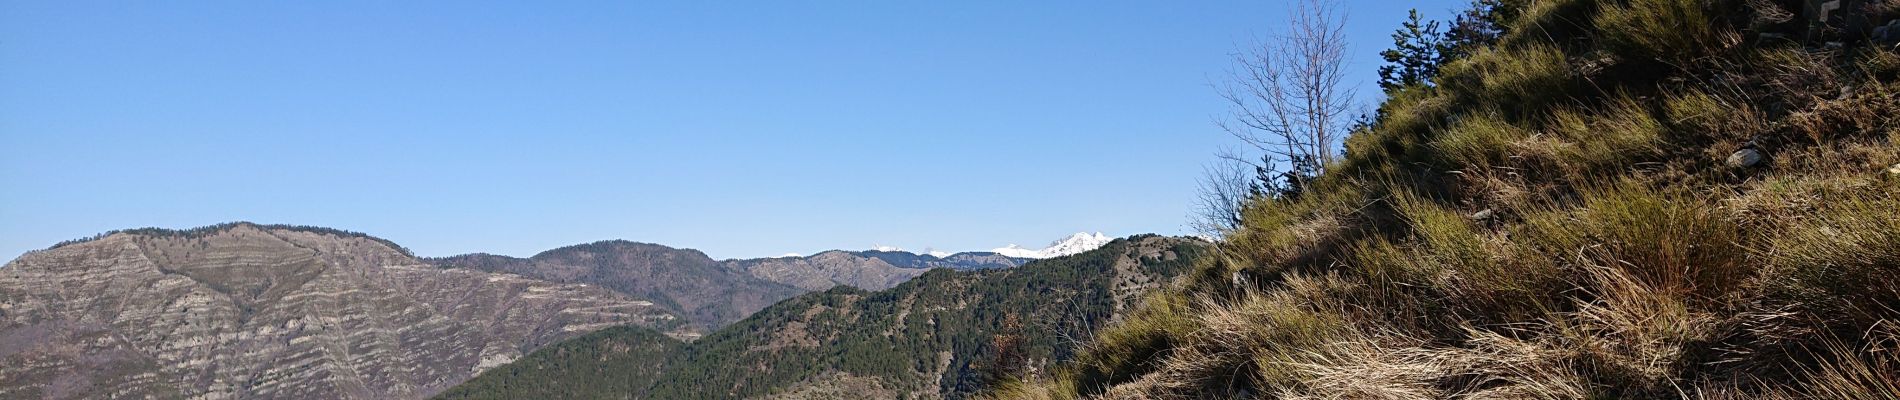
(740, 129)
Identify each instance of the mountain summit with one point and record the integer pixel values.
(1077, 243)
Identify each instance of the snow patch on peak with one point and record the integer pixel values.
(1017, 251)
(933, 252)
(886, 248)
(1077, 243)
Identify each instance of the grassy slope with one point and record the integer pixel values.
(1625, 259)
(884, 344)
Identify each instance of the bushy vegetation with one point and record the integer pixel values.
(943, 334)
(622, 360)
(1557, 218)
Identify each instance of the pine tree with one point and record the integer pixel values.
(1418, 48)
(1478, 26)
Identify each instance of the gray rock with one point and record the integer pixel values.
(1745, 158)
(1484, 215)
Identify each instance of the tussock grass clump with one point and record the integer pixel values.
(1483, 278)
(1677, 32)
(1129, 350)
(1622, 133)
(1667, 242)
(1548, 21)
(1518, 82)
(1832, 274)
(1479, 141)
(1255, 344)
(1410, 116)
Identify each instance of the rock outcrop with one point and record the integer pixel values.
(248, 311)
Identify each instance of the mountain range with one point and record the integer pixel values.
(712, 293)
(243, 310)
(264, 311)
(944, 334)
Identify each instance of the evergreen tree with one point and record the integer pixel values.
(1418, 48)
(1477, 26)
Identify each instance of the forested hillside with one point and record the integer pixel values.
(944, 334)
(1593, 199)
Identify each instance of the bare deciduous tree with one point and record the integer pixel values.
(1287, 93)
(1224, 189)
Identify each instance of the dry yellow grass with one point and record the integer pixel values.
(1621, 257)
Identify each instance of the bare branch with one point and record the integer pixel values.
(1287, 95)
(1223, 191)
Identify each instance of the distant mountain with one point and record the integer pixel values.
(1077, 243)
(254, 311)
(710, 293)
(715, 293)
(930, 337)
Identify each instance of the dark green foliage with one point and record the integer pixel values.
(1418, 48)
(1477, 26)
(901, 336)
(1272, 182)
(618, 362)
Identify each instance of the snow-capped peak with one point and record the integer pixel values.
(1077, 243)
(1017, 251)
(886, 248)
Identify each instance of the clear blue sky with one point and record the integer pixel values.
(743, 130)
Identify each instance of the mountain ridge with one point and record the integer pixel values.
(929, 337)
(711, 292)
(250, 310)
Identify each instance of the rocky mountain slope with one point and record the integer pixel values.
(714, 293)
(709, 293)
(939, 335)
(249, 311)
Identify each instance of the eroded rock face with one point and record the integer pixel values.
(248, 311)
